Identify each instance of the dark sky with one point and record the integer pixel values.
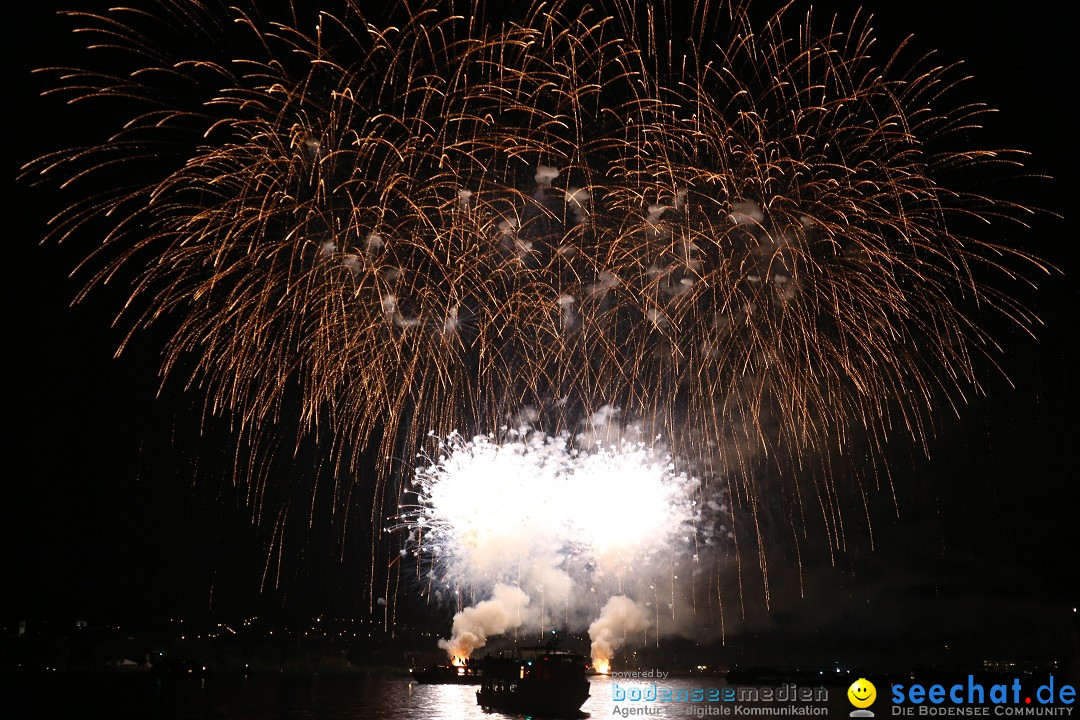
(116, 506)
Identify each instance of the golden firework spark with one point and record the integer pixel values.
(423, 220)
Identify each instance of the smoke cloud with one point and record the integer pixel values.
(620, 618)
(505, 610)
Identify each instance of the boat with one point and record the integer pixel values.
(539, 681)
(465, 674)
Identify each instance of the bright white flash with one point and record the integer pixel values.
(490, 508)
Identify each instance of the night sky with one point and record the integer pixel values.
(117, 507)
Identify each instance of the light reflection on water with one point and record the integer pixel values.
(287, 697)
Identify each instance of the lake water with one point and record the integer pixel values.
(318, 697)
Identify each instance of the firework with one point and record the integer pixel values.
(550, 531)
(378, 225)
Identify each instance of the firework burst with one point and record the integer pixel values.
(424, 219)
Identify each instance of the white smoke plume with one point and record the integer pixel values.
(620, 618)
(505, 610)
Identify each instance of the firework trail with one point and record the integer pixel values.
(379, 224)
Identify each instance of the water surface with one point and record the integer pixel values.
(309, 697)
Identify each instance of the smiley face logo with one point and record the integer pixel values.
(862, 693)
